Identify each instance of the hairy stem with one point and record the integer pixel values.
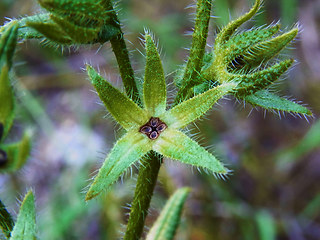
(148, 174)
(199, 40)
(120, 50)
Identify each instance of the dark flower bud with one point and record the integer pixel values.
(146, 129)
(153, 135)
(154, 122)
(161, 127)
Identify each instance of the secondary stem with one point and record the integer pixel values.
(120, 50)
(147, 178)
(199, 40)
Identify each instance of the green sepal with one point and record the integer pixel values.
(127, 113)
(270, 101)
(176, 145)
(25, 227)
(51, 31)
(78, 34)
(238, 43)
(126, 151)
(6, 221)
(190, 110)
(167, 223)
(8, 42)
(17, 153)
(264, 51)
(154, 87)
(27, 32)
(251, 83)
(7, 101)
(228, 30)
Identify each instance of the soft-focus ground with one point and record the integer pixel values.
(274, 191)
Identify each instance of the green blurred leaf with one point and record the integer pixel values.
(17, 153)
(8, 42)
(312, 209)
(310, 142)
(167, 223)
(25, 227)
(7, 101)
(266, 225)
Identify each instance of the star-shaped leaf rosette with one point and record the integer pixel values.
(152, 127)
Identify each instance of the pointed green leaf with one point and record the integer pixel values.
(228, 30)
(7, 102)
(154, 87)
(270, 101)
(51, 30)
(188, 111)
(25, 227)
(8, 42)
(242, 41)
(77, 33)
(266, 50)
(123, 109)
(251, 83)
(176, 145)
(167, 223)
(6, 221)
(127, 150)
(17, 153)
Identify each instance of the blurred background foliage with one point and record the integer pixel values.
(274, 191)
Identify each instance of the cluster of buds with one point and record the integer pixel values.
(69, 22)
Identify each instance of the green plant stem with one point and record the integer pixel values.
(147, 178)
(199, 40)
(120, 50)
(148, 173)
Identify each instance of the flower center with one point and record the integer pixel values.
(153, 128)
